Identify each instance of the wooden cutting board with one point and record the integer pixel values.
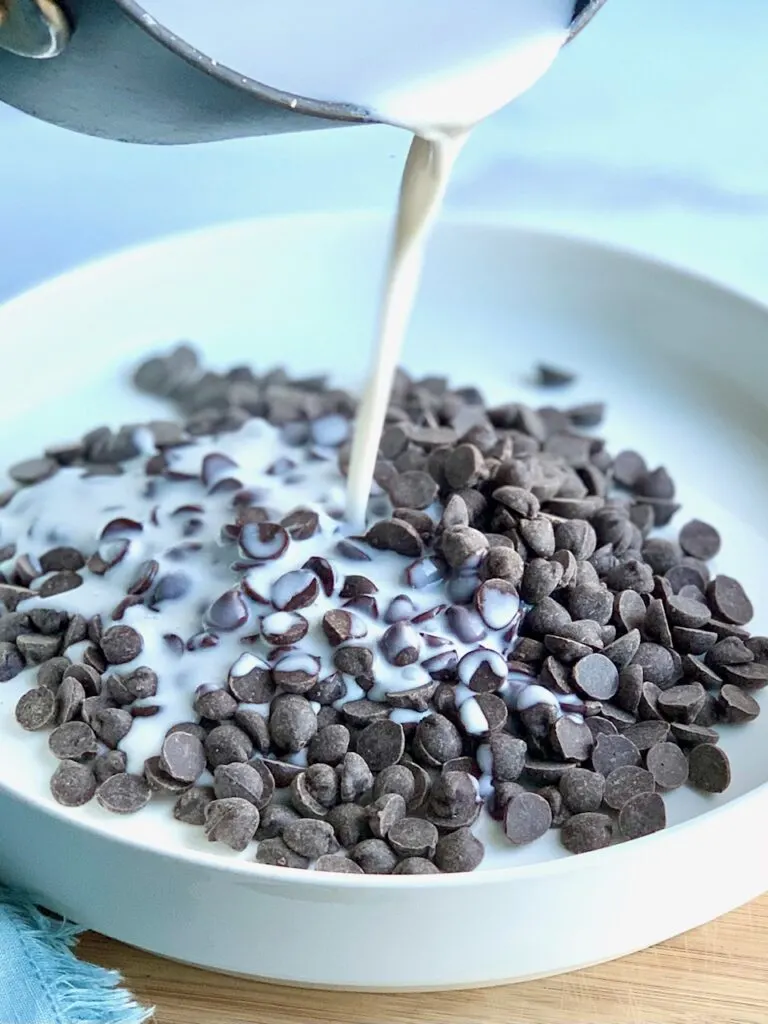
(717, 974)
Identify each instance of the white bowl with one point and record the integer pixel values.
(684, 363)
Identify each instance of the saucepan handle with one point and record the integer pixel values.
(33, 28)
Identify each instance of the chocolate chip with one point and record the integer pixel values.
(547, 376)
(138, 685)
(497, 603)
(538, 535)
(400, 644)
(355, 777)
(374, 856)
(527, 817)
(121, 644)
(657, 664)
(682, 703)
(401, 609)
(226, 744)
(460, 544)
(621, 652)
(612, 752)
(381, 744)
(353, 551)
(62, 558)
(353, 660)
(453, 801)
(459, 851)
(324, 571)
(518, 500)
(310, 838)
(360, 713)
(680, 576)
(327, 691)
(124, 794)
(758, 645)
(73, 784)
(301, 524)
(338, 864)
(728, 600)
(292, 722)
(482, 670)
(384, 812)
(283, 629)
(183, 756)
(33, 471)
(750, 677)
(36, 709)
(228, 612)
(232, 821)
(350, 823)
(73, 741)
(737, 706)
(540, 579)
(12, 625)
(49, 621)
(413, 837)
(294, 590)
(264, 541)
(437, 740)
(596, 677)
(112, 762)
(75, 632)
(668, 765)
(296, 672)
(600, 726)
(571, 740)
(159, 780)
(642, 815)
(11, 596)
(329, 745)
(464, 466)
(37, 649)
(395, 535)
(709, 768)
(274, 818)
(413, 489)
(626, 782)
(700, 540)
(191, 805)
(214, 702)
(576, 536)
(647, 734)
(503, 563)
(582, 790)
(111, 725)
(466, 624)
(250, 680)
(729, 651)
(276, 853)
(583, 833)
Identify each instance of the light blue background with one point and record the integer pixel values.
(651, 132)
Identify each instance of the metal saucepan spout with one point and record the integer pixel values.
(107, 68)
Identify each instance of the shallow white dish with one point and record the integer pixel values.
(685, 364)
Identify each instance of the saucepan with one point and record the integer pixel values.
(109, 68)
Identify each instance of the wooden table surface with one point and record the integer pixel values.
(717, 974)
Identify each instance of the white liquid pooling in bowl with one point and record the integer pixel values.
(70, 509)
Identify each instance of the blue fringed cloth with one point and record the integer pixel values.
(42, 982)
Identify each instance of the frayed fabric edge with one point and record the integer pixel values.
(78, 992)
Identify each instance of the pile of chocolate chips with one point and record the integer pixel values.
(648, 648)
